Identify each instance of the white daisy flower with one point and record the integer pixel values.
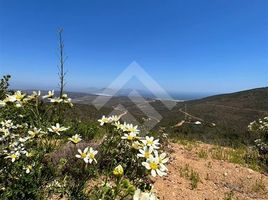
(13, 156)
(114, 118)
(146, 152)
(129, 136)
(83, 155)
(132, 129)
(117, 124)
(35, 132)
(150, 142)
(75, 138)
(49, 95)
(104, 120)
(7, 123)
(17, 96)
(56, 100)
(28, 169)
(68, 101)
(88, 155)
(139, 195)
(91, 154)
(10, 98)
(136, 145)
(154, 166)
(162, 158)
(124, 126)
(34, 95)
(57, 129)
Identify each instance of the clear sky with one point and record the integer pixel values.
(206, 46)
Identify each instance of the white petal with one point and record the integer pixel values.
(145, 164)
(153, 173)
(140, 155)
(163, 167)
(160, 173)
(165, 160)
(86, 150)
(163, 155)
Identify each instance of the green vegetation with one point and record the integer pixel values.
(45, 154)
(52, 148)
(231, 114)
(258, 186)
(244, 156)
(202, 154)
(191, 175)
(259, 129)
(225, 117)
(4, 86)
(229, 196)
(194, 178)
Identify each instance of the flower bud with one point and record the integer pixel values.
(118, 171)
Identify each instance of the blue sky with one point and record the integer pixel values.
(208, 46)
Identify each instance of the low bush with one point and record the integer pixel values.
(259, 129)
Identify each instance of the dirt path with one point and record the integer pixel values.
(217, 179)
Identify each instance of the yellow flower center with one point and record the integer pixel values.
(91, 155)
(83, 155)
(76, 140)
(130, 137)
(150, 142)
(153, 165)
(18, 97)
(13, 156)
(56, 129)
(147, 154)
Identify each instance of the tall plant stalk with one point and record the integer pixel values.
(62, 59)
(62, 72)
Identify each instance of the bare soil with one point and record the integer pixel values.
(218, 179)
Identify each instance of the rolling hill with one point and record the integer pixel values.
(224, 118)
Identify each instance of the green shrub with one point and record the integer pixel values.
(43, 154)
(259, 129)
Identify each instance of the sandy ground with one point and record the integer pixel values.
(218, 179)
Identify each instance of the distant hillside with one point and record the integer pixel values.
(231, 113)
(240, 107)
(256, 99)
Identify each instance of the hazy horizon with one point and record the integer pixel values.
(175, 95)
